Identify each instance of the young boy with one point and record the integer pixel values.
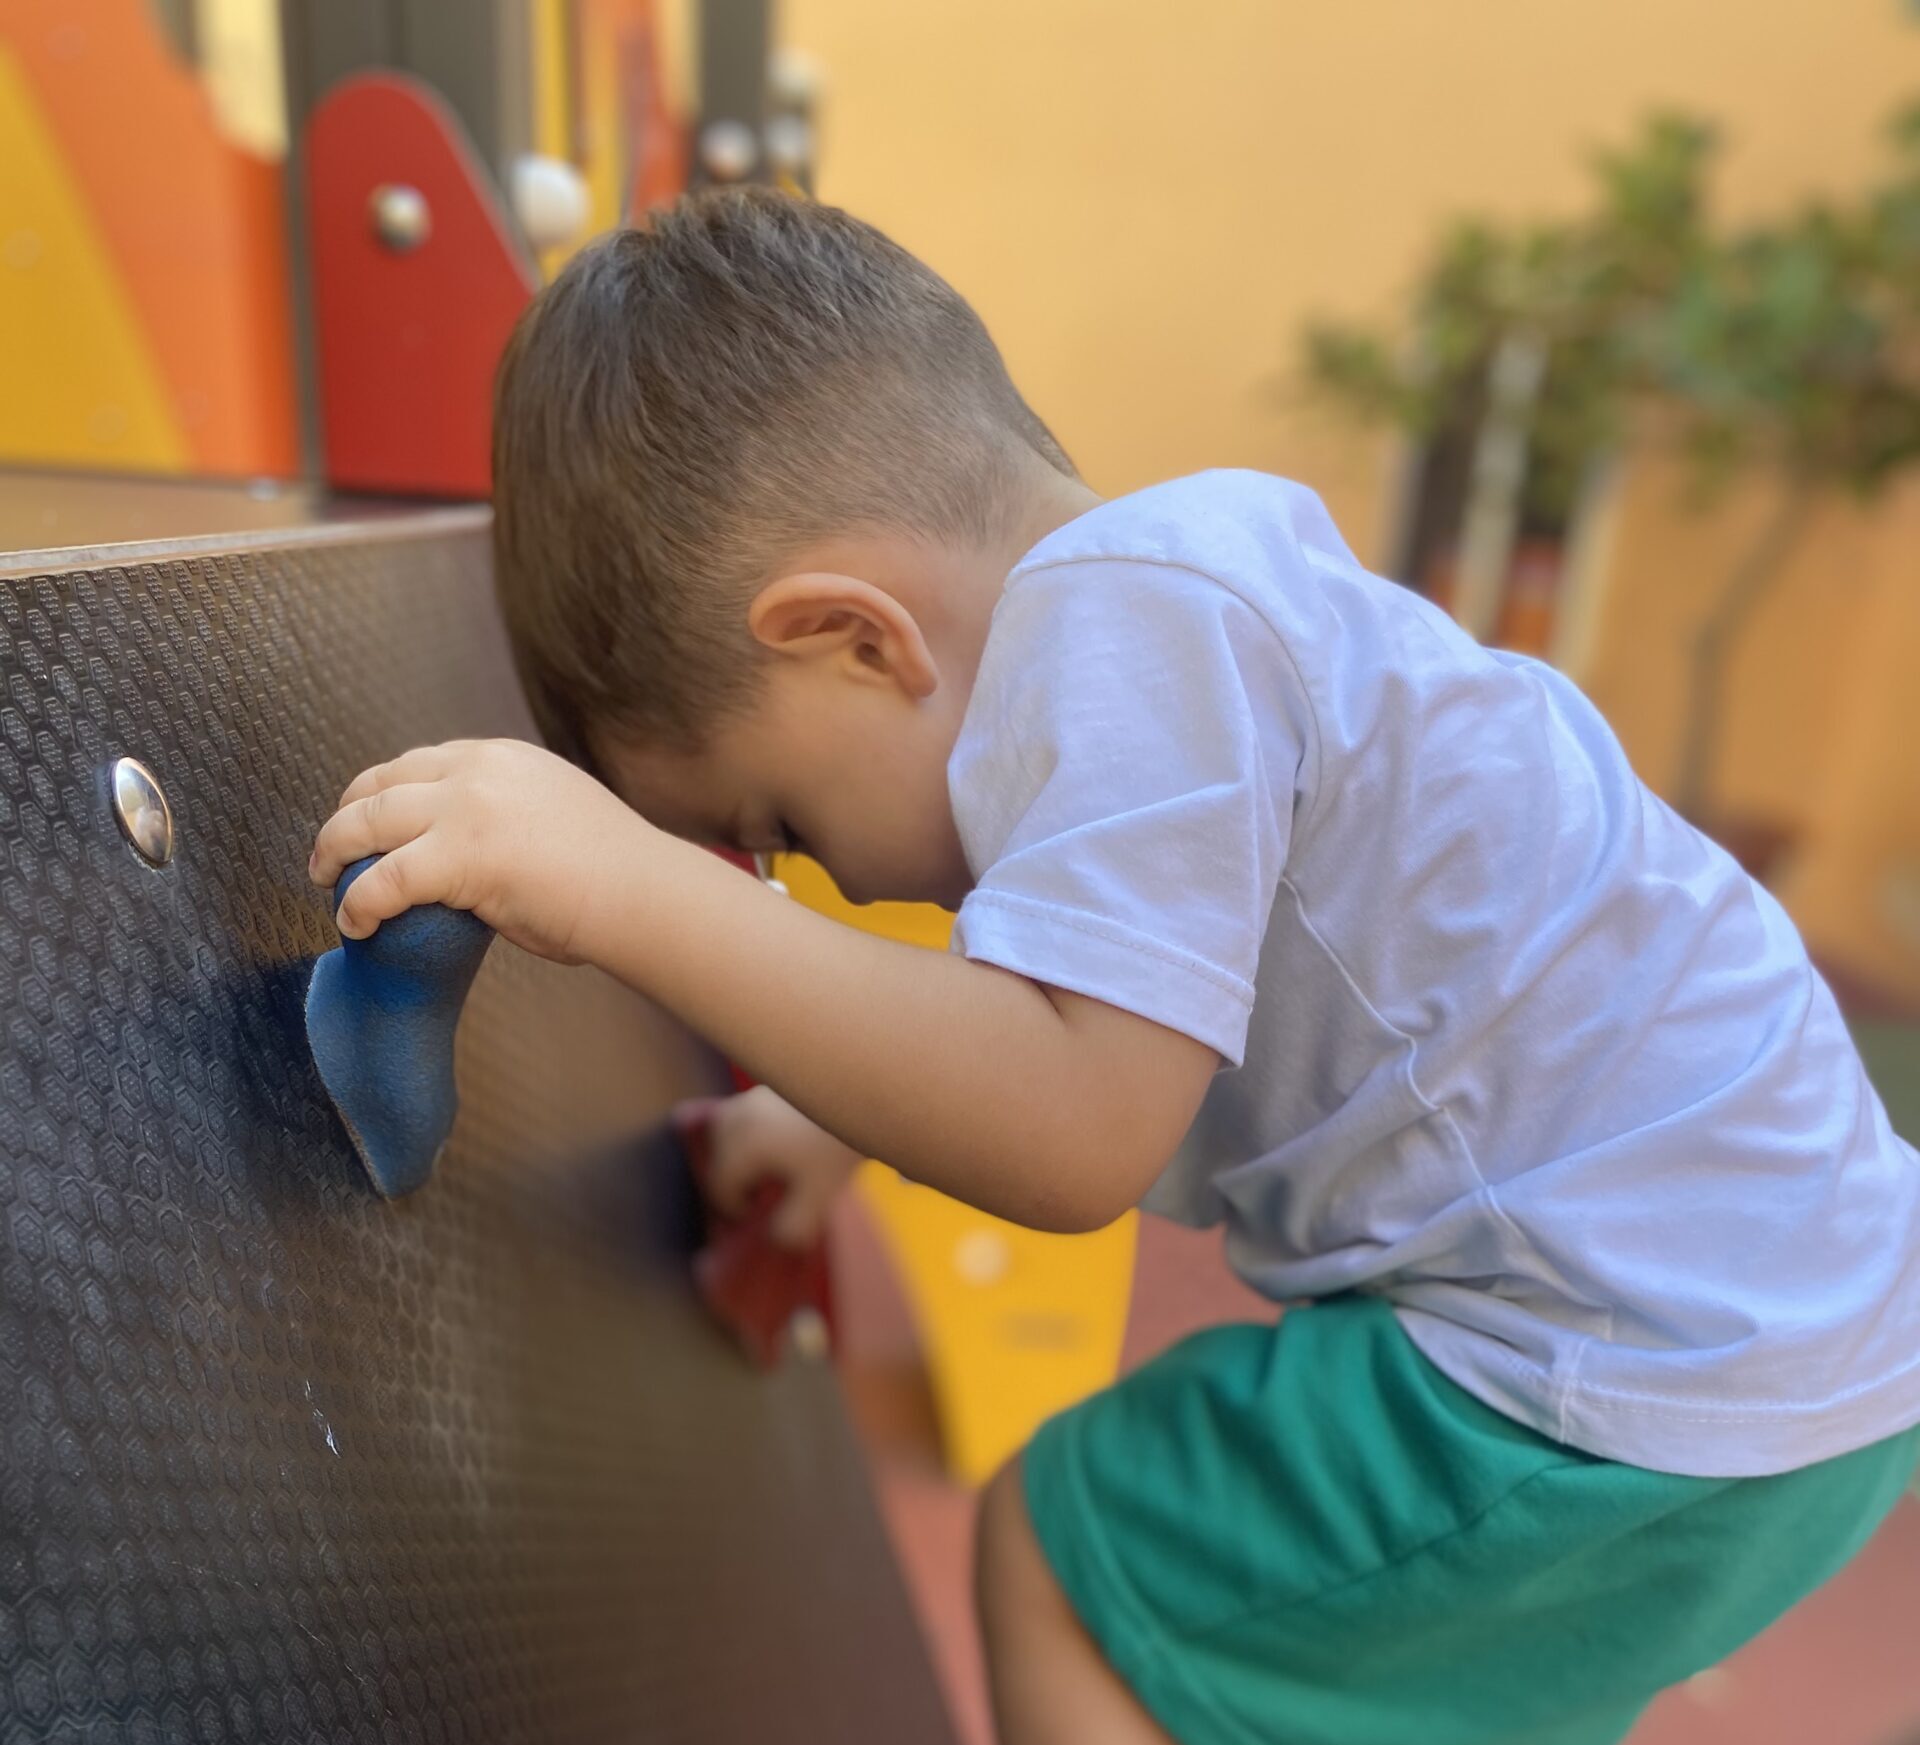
(1282, 905)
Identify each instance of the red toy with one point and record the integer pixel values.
(767, 1296)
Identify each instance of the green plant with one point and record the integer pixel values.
(1790, 348)
(1575, 287)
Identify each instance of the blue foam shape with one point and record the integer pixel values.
(381, 1017)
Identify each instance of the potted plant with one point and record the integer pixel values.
(1790, 348)
(1521, 366)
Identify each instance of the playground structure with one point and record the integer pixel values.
(293, 245)
(283, 1459)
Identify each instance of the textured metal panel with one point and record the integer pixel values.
(67, 521)
(278, 1460)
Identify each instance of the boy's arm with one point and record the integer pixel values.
(1039, 1106)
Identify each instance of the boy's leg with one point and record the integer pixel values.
(1051, 1685)
(1308, 1533)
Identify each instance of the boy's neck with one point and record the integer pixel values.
(1052, 503)
(952, 589)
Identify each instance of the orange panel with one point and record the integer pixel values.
(193, 224)
(634, 146)
(81, 388)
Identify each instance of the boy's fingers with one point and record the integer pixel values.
(801, 1217)
(376, 824)
(425, 763)
(733, 1174)
(402, 880)
(695, 1112)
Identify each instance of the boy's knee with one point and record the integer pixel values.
(1014, 1588)
(1001, 1535)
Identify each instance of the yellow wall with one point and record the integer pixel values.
(1855, 888)
(1145, 200)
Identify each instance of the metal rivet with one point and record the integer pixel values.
(145, 818)
(401, 217)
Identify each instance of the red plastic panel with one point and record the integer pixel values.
(407, 337)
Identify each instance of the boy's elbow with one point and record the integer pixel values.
(1088, 1190)
(1122, 1096)
(1076, 1218)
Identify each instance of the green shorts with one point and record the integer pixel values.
(1309, 1535)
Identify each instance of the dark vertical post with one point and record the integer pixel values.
(735, 46)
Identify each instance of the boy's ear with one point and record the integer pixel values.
(819, 615)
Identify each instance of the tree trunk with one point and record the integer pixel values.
(1713, 644)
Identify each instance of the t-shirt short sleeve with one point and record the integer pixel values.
(1124, 786)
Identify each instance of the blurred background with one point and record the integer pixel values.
(1600, 323)
(1663, 220)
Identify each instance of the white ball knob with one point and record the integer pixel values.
(795, 79)
(728, 150)
(789, 144)
(549, 199)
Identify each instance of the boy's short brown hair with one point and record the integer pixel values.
(690, 403)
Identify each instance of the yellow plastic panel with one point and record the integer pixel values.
(82, 389)
(240, 64)
(550, 25)
(551, 49)
(1015, 1325)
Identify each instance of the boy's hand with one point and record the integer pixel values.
(521, 837)
(1035, 1104)
(758, 1136)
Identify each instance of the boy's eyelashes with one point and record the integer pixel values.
(780, 838)
(785, 842)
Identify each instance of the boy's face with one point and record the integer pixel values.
(850, 773)
(868, 649)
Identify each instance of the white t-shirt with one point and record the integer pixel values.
(1511, 1044)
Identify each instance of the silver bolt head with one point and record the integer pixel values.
(400, 215)
(141, 809)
